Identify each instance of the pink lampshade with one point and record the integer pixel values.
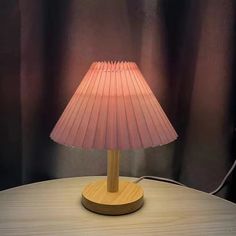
(113, 108)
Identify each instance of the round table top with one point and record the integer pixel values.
(53, 208)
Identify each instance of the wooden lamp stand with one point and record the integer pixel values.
(111, 196)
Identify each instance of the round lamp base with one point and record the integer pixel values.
(128, 199)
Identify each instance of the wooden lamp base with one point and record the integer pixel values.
(127, 199)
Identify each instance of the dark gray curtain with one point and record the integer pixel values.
(184, 48)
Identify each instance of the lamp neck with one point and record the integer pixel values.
(113, 161)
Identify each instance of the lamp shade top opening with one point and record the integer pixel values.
(113, 108)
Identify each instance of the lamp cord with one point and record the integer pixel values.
(160, 179)
(221, 185)
(224, 179)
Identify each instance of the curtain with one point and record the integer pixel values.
(185, 50)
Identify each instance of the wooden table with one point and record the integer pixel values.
(53, 208)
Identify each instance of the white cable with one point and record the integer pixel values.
(158, 178)
(176, 182)
(224, 180)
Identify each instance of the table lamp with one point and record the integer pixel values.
(113, 109)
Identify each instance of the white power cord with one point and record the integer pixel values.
(160, 179)
(178, 183)
(224, 180)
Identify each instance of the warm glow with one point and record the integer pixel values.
(113, 108)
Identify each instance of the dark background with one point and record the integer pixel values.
(184, 48)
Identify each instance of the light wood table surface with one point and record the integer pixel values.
(53, 208)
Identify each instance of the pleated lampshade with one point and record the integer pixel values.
(113, 108)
